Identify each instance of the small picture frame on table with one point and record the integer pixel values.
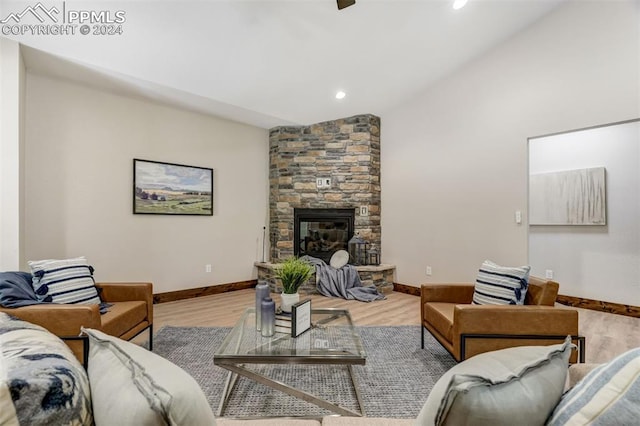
(300, 317)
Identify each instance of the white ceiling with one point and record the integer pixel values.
(270, 63)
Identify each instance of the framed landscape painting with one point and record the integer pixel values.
(173, 189)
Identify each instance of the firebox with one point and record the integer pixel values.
(321, 232)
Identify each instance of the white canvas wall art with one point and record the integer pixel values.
(571, 197)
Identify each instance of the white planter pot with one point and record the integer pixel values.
(288, 300)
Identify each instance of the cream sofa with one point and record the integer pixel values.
(325, 421)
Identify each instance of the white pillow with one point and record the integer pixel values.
(501, 285)
(514, 386)
(132, 386)
(64, 281)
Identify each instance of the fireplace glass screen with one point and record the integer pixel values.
(321, 232)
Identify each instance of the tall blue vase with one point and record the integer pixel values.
(262, 292)
(268, 315)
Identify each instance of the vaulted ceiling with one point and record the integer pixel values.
(271, 63)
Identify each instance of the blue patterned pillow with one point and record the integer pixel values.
(608, 395)
(41, 381)
(64, 281)
(501, 285)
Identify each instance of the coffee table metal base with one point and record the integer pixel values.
(238, 369)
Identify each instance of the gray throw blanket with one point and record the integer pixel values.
(344, 282)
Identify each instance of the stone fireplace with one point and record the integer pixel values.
(326, 178)
(330, 165)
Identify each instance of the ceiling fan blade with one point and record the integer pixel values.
(345, 3)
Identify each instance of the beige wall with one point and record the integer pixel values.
(12, 135)
(79, 158)
(454, 161)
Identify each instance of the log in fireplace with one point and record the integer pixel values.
(321, 232)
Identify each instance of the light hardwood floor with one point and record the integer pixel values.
(607, 335)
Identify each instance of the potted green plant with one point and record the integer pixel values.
(293, 272)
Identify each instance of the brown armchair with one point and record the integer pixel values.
(466, 330)
(130, 315)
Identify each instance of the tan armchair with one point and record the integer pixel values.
(130, 315)
(466, 330)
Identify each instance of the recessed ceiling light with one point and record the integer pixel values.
(340, 94)
(459, 4)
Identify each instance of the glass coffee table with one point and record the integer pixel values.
(332, 340)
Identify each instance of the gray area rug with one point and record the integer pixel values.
(395, 381)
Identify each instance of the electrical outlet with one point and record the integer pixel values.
(428, 270)
(319, 183)
(548, 274)
(364, 210)
(207, 268)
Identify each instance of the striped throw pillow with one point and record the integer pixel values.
(501, 285)
(608, 395)
(64, 281)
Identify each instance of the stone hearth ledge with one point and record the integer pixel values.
(379, 275)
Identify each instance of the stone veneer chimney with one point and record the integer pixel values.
(348, 152)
